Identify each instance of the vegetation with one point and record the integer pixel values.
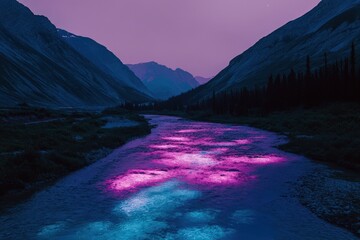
(328, 133)
(318, 109)
(39, 145)
(330, 83)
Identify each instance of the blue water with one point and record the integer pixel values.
(187, 180)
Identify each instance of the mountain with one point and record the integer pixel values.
(202, 80)
(104, 59)
(39, 67)
(162, 81)
(330, 27)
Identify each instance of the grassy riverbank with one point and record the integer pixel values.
(38, 146)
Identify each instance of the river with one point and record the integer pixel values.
(186, 180)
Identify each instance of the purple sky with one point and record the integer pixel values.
(200, 36)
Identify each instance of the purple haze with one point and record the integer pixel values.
(201, 36)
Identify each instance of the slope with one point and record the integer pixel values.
(162, 81)
(39, 68)
(330, 27)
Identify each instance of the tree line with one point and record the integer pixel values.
(339, 81)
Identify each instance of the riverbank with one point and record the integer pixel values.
(328, 133)
(333, 196)
(39, 146)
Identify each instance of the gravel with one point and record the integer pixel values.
(332, 197)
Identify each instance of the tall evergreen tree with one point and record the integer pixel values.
(353, 60)
(308, 67)
(353, 81)
(213, 102)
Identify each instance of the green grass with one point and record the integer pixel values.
(46, 151)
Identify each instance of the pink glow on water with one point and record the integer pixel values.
(139, 178)
(207, 176)
(254, 160)
(197, 142)
(203, 142)
(217, 151)
(190, 131)
(192, 156)
(223, 144)
(164, 146)
(221, 178)
(243, 141)
(196, 169)
(186, 160)
(266, 160)
(177, 139)
(212, 177)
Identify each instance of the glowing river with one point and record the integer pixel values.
(186, 181)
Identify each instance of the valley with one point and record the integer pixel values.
(93, 147)
(179, 182)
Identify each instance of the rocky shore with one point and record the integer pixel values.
(332, 195)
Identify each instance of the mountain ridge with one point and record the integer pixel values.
(202, 80)
(163, 81)
(104, 59)
(39, 68)
(298, 38)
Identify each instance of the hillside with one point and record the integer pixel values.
(104, 59)
(39, 68)
(329, 28)
(162, 81)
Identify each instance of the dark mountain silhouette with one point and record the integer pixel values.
(39, 68)
(162, 81)
(329, 28)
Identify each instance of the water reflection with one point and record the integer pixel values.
(138, 178)
(185, 181)
(192, 156)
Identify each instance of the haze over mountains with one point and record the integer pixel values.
(330, 27)
(162, 81)
(40, 67)
(202, 80)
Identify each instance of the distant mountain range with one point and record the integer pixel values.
(329, 28)
(162, 81)
(43, 66)
(202, 80)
